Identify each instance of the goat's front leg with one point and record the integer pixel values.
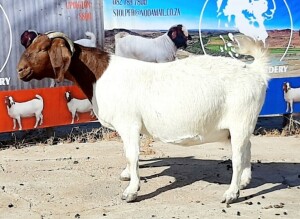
(19, 122)
(131, 139)
(14, 121)
(291, 107)
(92, 114)
(287, 107)
(73, 116)
(125, 175)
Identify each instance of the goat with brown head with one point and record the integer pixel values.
(48, 56)
(9, 101)
(54, 55)
(286, 86)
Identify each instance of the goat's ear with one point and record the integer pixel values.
(60, 58)
(174, 34)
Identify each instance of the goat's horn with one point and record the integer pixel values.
(33, 31)
(53, 35)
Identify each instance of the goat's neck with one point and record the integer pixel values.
(87, 66)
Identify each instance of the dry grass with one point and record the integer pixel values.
(42, 137)
(267, 132)
(291, 127)
(146, 145)
(47, 137)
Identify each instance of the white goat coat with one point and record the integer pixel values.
(26, 109)
(29, 108)
(87, 42)
(81, 106)
(159, 49)
(189, 101)
(291, 96)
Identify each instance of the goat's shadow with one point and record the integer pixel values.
(187, 170)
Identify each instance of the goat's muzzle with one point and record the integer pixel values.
(25, 73)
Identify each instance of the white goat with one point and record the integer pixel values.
(160, 49)
(76, 106)
(18, 110)
(291, 95)
(91, 42)
(190, 101)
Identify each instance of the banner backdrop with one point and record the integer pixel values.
(276, 23)
(210, 23)
(26, 105)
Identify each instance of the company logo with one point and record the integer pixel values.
(4, 15)
(268, 21)
(4, 81)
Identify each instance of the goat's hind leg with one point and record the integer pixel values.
(41, 119)
(240, 164)
(37, 119)
(246, 166)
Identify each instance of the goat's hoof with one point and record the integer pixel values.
(129, 197)
(230, 196)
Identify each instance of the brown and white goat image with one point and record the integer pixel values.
(196, 100)
(290, 95)
(18, 110)
(159, 49)
(76, 106)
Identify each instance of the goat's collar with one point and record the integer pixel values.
(54, 34)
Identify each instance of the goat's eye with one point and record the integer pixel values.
(42, 50)
(27, 54)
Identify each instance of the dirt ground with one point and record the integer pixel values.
(82, 181)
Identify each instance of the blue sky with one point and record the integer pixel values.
(190, 12)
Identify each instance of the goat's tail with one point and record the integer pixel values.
(121, 35)
(91, 35)
(245, 45)
(39, 97)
